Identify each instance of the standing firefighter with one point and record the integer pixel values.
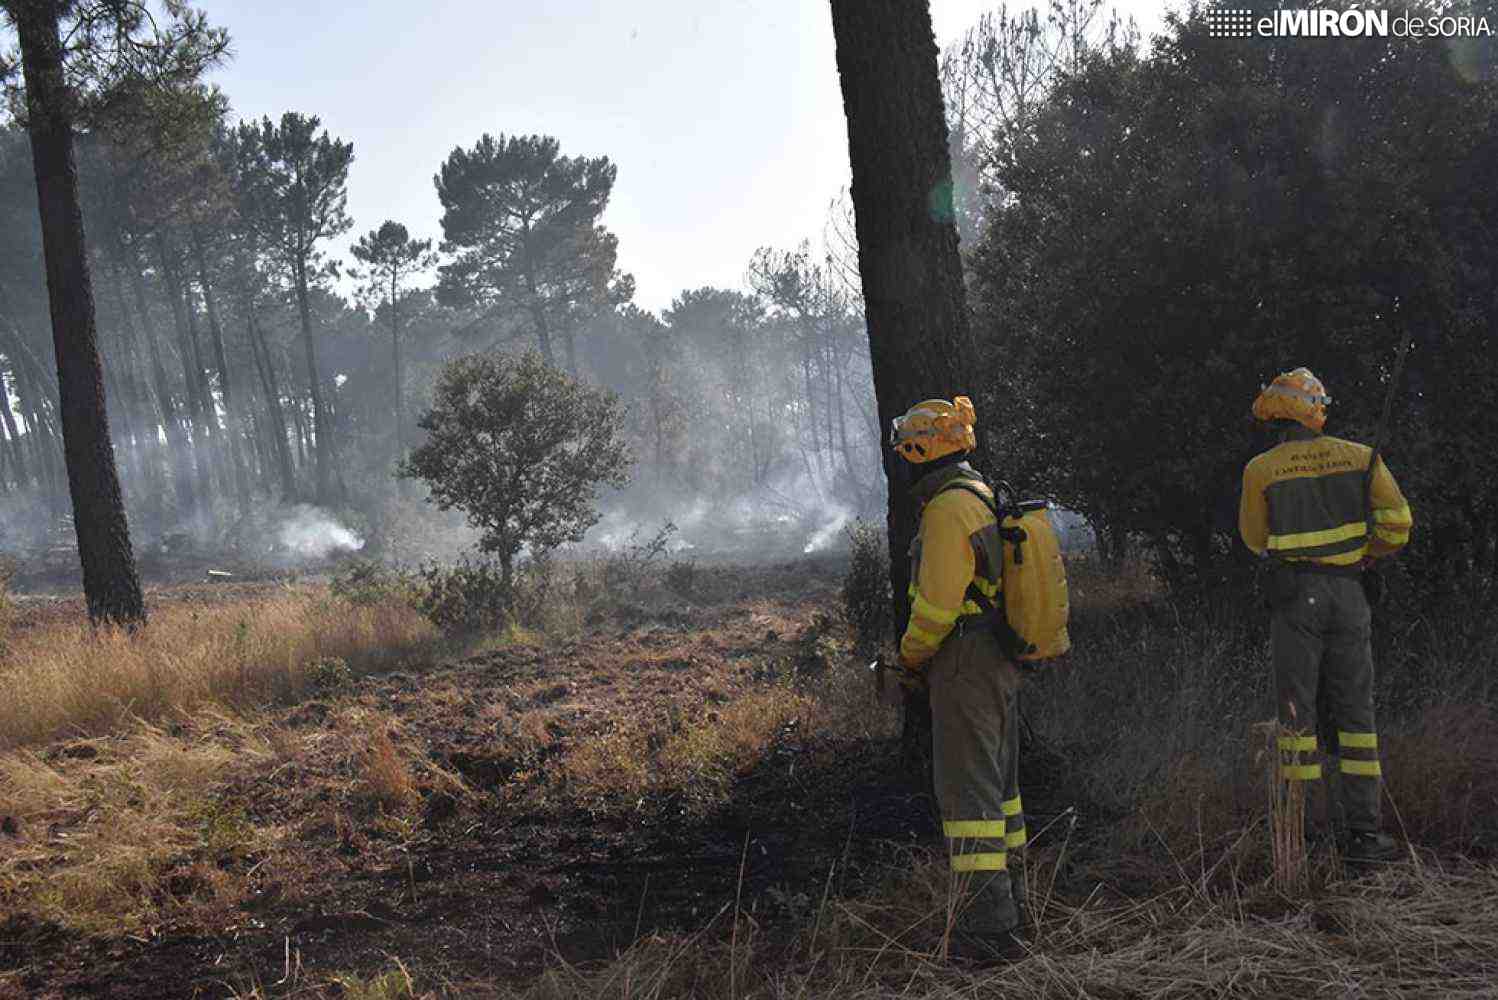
(1311, 505)
(956, 569)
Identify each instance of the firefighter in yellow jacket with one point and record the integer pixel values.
(957, 557)
(1308, 505)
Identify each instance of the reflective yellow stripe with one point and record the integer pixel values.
(991, 829)
(985, 588)
(1300, 772)
(1400, 517)
(1357, 741)
(986, 861)
(1362, 768)
(971, 608)
(1013, 807)
(1312, 539)
(926, 609)
(1292, 744)
(1393, 536)
(1016, 839)
(1351, 558)
(920, 635)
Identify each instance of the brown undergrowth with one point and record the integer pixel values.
(657, 764)
(66, 678)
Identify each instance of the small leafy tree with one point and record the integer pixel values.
(520, 447)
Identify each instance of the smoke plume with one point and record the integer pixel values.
(311, 533)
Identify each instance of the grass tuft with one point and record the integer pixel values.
(61, 680)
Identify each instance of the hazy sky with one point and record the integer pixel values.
(724, 117)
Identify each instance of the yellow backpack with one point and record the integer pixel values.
(1033, 590)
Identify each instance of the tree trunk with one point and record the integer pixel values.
(176, 433)
(18, 457)
(402, 485)
(915, 306)
(322, 428)
(148, 447)
(538, 316)
(235, 417)
(195, 418)
(272, 393)
(299, 418)
(110, 583)
(207, 407)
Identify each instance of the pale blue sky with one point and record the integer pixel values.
(724, 118)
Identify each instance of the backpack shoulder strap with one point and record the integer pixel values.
(990, 502)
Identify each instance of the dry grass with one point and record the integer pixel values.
(1172, 884)
(696, 750)
(1411, 931)
(112, 830)
(64, 680)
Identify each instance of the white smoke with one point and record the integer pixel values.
(311, 533)
(823, 536)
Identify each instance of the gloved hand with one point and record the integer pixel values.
(912, 676)
(906, 678)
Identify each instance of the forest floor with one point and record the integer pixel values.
(693, 794)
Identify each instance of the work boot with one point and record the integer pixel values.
(987, 931)
(1371, 846)
(986, 949)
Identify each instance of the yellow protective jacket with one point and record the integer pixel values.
(956, 545)
(1303, 500)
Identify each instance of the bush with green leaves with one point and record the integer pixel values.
(626, 567)
(366, 583)
(865, 595)
(521, 448)
(682, 578)
(470, 595)
(1175, 228)
(330, 675)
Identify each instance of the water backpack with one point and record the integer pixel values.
(1033, 610)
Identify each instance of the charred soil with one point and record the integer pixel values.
(539, 801)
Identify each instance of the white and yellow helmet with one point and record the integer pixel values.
(1295, 395)
(934, 428)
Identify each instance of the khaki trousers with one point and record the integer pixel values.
(975, 765)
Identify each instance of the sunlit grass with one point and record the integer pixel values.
(73, 680)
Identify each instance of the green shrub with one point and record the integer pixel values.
(626, 567)
(681, 578)
(366, 583)
(468, 596)
(330, 675)
(865, 595)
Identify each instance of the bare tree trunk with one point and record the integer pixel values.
(149, 419)
(176, 435)
(322, 425)
(402, 485)
(110, 583)
(272, 393)
(8, 417)
(907, 243)
(235, 417)
(303, 445)
(195, 417)
(207, 407)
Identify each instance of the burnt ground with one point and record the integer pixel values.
(531, 862)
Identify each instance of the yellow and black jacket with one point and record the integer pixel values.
(957, 545)
(1304, 500)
